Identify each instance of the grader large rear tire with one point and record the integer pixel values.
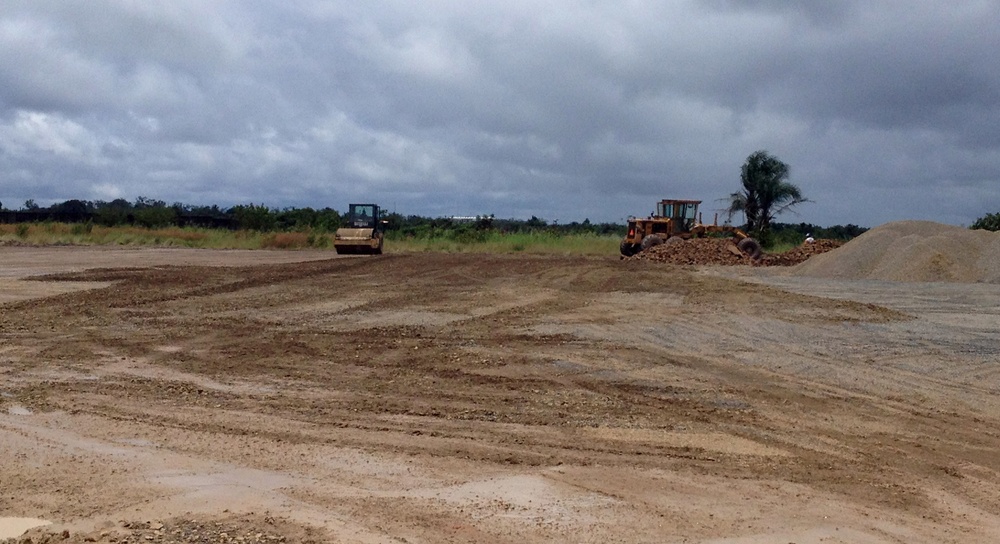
(651, 240)
(628, 249)
(749, 247)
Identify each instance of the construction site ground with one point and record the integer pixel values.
(236, 396)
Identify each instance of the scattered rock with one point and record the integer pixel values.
(249, 530)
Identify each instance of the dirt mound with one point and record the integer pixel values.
(697, 251)
(913, 251)
(723, 252)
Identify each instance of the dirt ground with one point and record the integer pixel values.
(218, 396)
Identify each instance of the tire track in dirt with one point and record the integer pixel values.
(512, 365)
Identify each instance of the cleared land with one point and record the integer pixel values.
(472, 398)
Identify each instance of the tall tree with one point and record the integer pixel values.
(765, 193)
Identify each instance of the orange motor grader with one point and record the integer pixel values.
(679, 220)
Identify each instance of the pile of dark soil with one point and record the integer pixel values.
(723, 252)
(697, 251)
(800, 254)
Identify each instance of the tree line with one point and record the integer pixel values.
(990, 221)
(764, 193)
(152, 213)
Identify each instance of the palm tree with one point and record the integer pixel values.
(765, 193)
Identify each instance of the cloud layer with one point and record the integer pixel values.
(564, 109)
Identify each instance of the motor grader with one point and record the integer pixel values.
(363, 234)
(680, 220)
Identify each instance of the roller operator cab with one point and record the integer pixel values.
(363, 233)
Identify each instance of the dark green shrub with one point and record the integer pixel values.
(155, 217)
(990, 221)
(253, 217)
(80, 229)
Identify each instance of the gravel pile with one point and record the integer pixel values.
(913, 251)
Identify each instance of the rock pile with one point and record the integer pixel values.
(723, 252)
(799, 254)
(697, 251)
(247, 530)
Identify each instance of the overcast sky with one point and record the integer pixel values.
(566, 110)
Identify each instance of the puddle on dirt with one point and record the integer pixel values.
(17, 410)
(731, 404)
(568, 365)
(225, 482)
(709, 441)
(532, 497)
(15, 527)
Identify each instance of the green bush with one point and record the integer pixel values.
(468, 235)
(990, 221)
(253, 217)
(155, 217)
(322, 241)
(80, 229)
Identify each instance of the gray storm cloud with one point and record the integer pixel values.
(564, 110)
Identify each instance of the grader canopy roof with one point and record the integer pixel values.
(678, 209)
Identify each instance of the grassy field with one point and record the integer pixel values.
(538, 242)
(47, 234)
(782, 247)
(497, 242)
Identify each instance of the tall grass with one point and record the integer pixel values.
(48, 234)
(497, 242)
(540, 242)
(782, 247)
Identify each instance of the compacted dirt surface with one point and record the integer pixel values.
(204, 396)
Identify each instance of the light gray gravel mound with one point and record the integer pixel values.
(912, 251)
